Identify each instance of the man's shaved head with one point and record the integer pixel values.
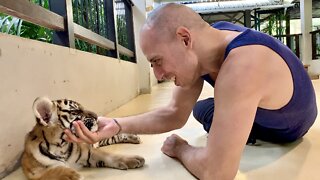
(165, 19)
(173, 40)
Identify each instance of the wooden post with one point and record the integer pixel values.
(288, 38)
(130, 33)
(247, 18)
(314, 45)
(111, 26)
(297, 41)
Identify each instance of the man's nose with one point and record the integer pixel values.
(159, 73)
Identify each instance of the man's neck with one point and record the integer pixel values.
(211, 53)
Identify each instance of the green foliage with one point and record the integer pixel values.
(43, 3)
(32, 31)
(274, 24)
(19, 27)
(124, 57)
(87, 13)
(10, 25)
(122, 31)
(16, 26)
(271, 26)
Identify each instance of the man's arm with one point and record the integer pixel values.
(238, 91)
(160, 120)
(164, 119)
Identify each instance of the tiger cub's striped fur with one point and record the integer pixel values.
(48, 156)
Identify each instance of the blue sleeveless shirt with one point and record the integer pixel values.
(295, 118)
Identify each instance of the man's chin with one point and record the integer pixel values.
(184, 84)
(181, 84)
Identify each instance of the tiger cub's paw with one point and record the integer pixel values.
(72, 175)
(131, 138)
(131, 162)
(61, 173)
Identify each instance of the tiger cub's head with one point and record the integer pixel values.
(62, 113)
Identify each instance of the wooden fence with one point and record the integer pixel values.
(36, 14)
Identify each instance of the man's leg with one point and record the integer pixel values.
(272, 135)
(203, 112)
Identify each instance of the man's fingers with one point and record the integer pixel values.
(71, 137)
(87, 133)
(67, 139)
(80, 133)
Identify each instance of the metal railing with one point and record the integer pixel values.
(292, 41)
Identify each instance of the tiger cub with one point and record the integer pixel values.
(48, 156)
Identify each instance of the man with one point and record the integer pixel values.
(261, 90)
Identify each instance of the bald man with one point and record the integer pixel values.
(261, 91)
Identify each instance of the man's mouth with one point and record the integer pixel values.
(174, 79)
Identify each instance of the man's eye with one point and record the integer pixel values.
(156, 62)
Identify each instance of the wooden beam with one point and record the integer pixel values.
(33, 13)
(92, 38)
(125, 51)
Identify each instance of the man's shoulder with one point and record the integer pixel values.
(243, 66)
(245, 58)
(248, 58)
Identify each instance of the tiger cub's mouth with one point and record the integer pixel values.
(90, 123)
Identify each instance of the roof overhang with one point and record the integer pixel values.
(205, 7)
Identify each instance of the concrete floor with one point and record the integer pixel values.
(297, 161)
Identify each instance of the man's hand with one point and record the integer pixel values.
(106, 129)
(173, 146)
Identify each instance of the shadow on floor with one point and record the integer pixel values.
(268, 154)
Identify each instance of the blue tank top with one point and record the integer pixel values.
(296, 117)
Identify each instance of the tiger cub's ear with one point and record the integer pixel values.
(43, 108)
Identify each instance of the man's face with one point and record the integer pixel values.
(171, 60)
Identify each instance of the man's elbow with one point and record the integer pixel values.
(180, 118)
(210, 175)
(178, 124)
(214, 171)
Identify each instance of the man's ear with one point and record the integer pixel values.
(43, 108)
(184, 34)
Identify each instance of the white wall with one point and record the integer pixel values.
(295, 25)
(314, 67)
(295, 28)
(145, 75)
(29, 69)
